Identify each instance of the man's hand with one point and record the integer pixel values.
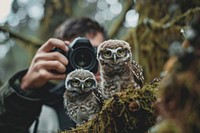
(44, 63)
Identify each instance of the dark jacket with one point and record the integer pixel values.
(18, 108)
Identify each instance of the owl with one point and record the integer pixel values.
(117, 68)
(80, 98)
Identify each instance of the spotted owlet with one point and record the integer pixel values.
(81, 102)
(117, 68)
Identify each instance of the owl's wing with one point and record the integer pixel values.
(157, 79)
(138, 73)
(70, 96)
(98, 94)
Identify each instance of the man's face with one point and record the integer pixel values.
(95, 41)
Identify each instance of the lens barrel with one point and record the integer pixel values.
(82, 54)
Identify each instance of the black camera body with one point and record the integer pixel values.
(81, 54)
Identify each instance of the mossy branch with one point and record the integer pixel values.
(28, 40)
(128, 111)
(154, 25)
(190, 12)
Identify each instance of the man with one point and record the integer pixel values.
(22, 97)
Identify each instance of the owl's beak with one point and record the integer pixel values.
(114, 57)
(82, 86)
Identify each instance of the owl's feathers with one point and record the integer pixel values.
(81, 102)
(117, 68)
(138, 72)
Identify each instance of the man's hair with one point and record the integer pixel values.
(72, 28)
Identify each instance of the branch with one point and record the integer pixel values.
(128, 111)
(29, 40)
(68, 7)
(154, 25)
(178, 18)
(116, 26)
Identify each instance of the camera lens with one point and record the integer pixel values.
(84, 58)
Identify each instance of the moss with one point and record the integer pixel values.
(128, 111)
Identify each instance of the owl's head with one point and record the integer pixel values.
(113, 52)
(80, 81)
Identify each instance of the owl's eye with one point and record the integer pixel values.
(88, 83)
(75, 83)
(107, 54)
(120, 52)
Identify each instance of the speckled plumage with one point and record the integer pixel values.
(117, 68)
(81, 102)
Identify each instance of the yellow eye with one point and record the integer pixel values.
(120, 52)
(107, 54)
(88, 83)
(75, 82)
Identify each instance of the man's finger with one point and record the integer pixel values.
(53, 43)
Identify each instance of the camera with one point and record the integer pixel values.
(81, 54)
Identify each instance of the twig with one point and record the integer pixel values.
(187, 13)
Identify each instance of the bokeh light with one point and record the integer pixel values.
(91, 1)
(116, 8)
(132, 18)
(36, 11)
(5, 8)
(111, 1)
(3, 50)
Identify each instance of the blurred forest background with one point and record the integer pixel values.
(154, 28)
